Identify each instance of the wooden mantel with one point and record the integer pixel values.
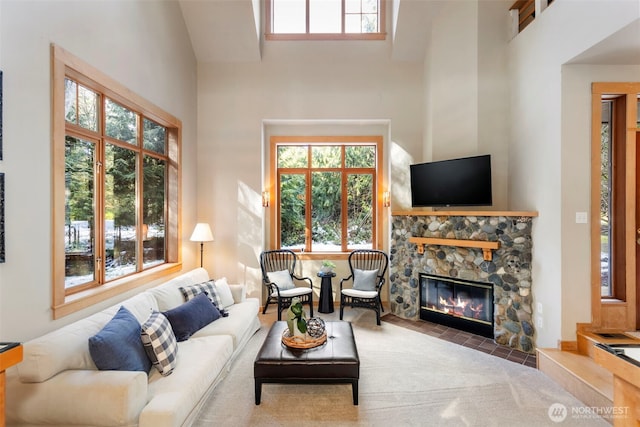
(486, 246)
(423, 212)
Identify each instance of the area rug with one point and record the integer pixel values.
(406, 379)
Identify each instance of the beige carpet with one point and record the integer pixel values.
(406, 379)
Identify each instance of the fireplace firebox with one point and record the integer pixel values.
(462, 304)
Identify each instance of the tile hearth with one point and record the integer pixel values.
(476, 342)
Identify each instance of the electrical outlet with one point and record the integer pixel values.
(539, 308)
(539, 322)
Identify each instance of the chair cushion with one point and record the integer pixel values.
(192, 316)
(118, 347)
(282, 279)
(293, 292)
(365, 280)
(360, 294)
(160, 343)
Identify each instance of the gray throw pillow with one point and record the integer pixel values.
(282, 279)
(365, 280)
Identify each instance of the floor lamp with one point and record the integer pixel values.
(202, 233)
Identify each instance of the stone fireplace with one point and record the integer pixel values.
(492, 248)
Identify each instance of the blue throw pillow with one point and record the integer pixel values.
(193, 315)
(118, 347)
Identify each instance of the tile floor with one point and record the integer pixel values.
(480, 343)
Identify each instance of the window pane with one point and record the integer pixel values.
(326, 157)
(289, 16)
(361, 156)
(293, 156)
(153, 211)
(121, 122)
(87, 108)
(155, 136)
(325, 16)
(352, 6)
(326, 211)
(70, 101)
(370, 6)
(370, 23)
(360, 211)
(120, 211)
(605, 201)
(79, 212)
(292, 211)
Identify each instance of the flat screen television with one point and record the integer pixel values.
(456, 182)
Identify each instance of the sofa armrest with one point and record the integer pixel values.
(239, 293)
(78, 397)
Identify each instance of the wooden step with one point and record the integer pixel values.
(579, 374)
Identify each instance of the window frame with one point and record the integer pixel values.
(65, 302)
(273, 186)
(270, 35)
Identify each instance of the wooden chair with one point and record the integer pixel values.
(278, 275)
(367, 268)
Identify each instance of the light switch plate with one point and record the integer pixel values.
(581, 217)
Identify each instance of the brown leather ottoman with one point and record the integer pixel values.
(336, 361)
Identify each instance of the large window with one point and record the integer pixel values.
(325, 19)
(115, 174)
(326, 191)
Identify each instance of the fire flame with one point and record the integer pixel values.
(460, 307)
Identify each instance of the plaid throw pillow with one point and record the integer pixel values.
(160, 343)
(190, 292)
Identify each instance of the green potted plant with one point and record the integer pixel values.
(296, 318)
(327, 266)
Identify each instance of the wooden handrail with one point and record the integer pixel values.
(486, 246)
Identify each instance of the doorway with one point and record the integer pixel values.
(615, 206)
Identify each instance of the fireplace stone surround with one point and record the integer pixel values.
(508, 269)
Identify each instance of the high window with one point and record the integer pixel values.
(327, 192)
(115, 174)
(325, 19)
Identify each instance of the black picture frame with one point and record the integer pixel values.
(1, 217)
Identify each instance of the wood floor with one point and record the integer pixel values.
(578, 373)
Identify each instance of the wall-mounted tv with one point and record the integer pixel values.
(456, 182)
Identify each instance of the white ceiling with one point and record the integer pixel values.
(229, 31)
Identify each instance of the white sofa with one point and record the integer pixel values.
(58, 384)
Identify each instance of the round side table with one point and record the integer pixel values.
(325, 303)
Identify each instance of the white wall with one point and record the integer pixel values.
(466, 93)
(548, 156)
(141, 44)
(294, 82)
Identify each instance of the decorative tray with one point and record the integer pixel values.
(302, 343)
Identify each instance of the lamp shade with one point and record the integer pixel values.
(202, 233)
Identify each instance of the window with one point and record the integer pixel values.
(326, 191)
(325, 19)
(115, 187)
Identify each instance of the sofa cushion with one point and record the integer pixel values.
(168, 294)
(224, 293)
(239, 323)
(172, 399)
(282, 279)
(79, 397)
(118, 347)
(66, 347)
(160, 343)
(364, 280)
(192, 316)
